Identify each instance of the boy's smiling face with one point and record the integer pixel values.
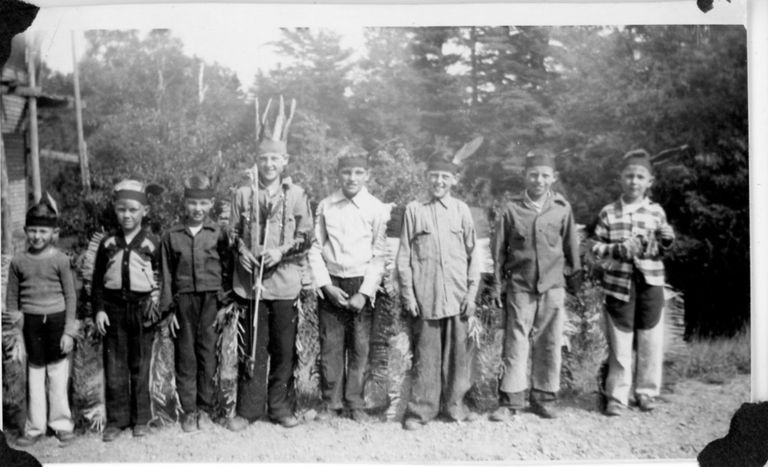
(271, 166)
(539, 180)
(38, 237)
(440, 183)
(352, 180)
(635, 182)
(130, 213)
(197, 209)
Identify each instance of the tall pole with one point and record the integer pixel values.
(34, 145)
(82, 151)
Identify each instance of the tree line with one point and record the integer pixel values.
(588, 93)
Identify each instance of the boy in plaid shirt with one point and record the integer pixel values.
(631, 233)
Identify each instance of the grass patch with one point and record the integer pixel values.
(713, 360)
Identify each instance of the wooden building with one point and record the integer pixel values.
(17, 168)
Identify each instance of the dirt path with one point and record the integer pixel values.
(694, 414)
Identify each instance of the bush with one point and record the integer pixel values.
(714, 360)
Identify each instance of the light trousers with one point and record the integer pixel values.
(48, 403)
(648, 365)
(534, 326)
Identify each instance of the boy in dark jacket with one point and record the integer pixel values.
(536, 245)
(196, 272)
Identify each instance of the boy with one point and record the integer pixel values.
(631, 233)
(125, 295)
(536, 244)
(347, 261)
(275, 212)
(195, 263)
(41, 286)
(439, 278)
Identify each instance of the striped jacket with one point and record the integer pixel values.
(618, 222)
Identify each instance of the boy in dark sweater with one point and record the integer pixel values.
(41, 286)
(195, 264)
(125, 297)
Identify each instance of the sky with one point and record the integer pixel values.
(245, 51)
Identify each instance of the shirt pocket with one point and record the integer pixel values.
(423, 242)
(552, 233)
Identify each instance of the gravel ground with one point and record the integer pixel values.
(692, 414)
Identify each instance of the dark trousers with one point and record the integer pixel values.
(275, 343)
(441, 366)
(196, 350)
(642, 311)
(42, 337)
(127, 354)
(344, 336)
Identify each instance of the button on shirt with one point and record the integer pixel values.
(437, 260)
(350, 240)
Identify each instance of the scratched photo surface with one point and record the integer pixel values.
(159, 105)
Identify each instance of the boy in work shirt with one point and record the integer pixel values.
(196, 272)
(42, 288)
(536, 244)
(439, 278)
(347, 260)
(631, 233)
(125, 296)
(272, 220)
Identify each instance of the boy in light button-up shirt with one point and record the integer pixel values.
(347, 261)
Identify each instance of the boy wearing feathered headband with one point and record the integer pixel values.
(196, 277)
(347, 261)
(124, 300)
(536, 245)
(439, 277)
(273, 225)
(631, 233)
(41, 287)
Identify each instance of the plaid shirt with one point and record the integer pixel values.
(618, 222)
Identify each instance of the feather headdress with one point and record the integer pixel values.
(273, 139)
(453, 164)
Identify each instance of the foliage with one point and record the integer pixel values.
(714, 360)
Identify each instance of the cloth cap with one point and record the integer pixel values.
(442, 165)
(198, 193)
(131, 189)
(270, 146)
(637, 157)
(539, 157)
(41, 215)
(353, 162)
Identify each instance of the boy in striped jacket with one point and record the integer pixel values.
(630, 235)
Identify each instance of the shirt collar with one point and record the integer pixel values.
(359, 200)
(630, 208)
(534, 205)
(445, 201)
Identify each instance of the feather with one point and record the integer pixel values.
(51, 203)
(289, 120)
(256, 119)
(467, 150)
(266, 131)
(279, 121)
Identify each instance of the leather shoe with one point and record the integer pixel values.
(644, 402)
(189, 422)
(140, 430)
(237, 423)
(613, 408)
(65, 437)
(360, 416)
(111, 433)
(548, 410)
(287, 422)
(26, 441)
(502, 414)
(413, 424)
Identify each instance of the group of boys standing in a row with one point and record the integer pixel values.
(183, 281)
